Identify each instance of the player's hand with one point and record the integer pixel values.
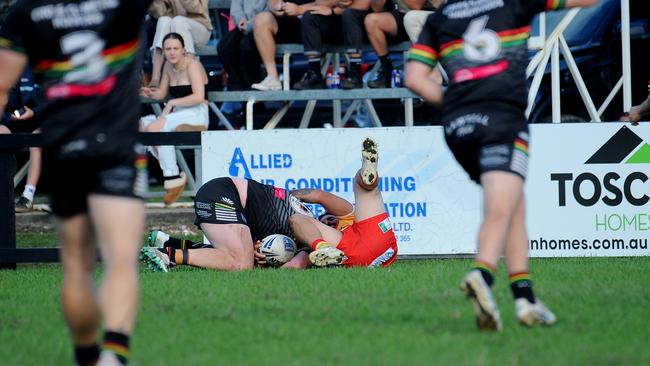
(291, 9)
(27, 114)
(260, 259)
(321, 10)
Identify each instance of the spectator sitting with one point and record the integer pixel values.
(342, 22)
(382, 23)
(640, 111)
(185, 80)
(189, 18)
(281, 24)
(20, 118)
(237, 51)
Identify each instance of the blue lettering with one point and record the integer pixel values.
(238, 162)
(288, 160)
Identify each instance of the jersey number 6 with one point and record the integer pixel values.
(480, 44)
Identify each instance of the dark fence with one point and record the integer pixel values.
(9, 144)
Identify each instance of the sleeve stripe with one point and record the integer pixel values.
(418, 57)
(555, 4)
(9, 45)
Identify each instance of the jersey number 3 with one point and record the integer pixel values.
(480, 44)
(85, 51)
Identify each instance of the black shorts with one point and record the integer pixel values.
(487, 138)
(27, 126)
(218, 202)
(74, 180)
(401, 35)
(289, 30)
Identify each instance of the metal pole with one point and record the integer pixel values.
(555, 82)
(627, 72)
(7, 214)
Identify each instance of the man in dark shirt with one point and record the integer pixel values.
(482, 44)
(82, 54)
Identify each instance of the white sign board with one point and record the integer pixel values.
(433, 206)
(587, 189)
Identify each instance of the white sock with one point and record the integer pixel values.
(29, 192)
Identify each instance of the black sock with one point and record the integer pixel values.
(522, 286)
(118, 344)
(86, 355)
(487, 272)
(314, 64)
(386, 62)
(174, 243)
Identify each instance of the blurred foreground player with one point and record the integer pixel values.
(82, 53)
(482, 44)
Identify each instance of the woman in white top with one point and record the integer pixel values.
(184, 80)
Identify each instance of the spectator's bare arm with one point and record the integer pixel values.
(415, 4)
(377, 5)
(579, 3)
(12, 65)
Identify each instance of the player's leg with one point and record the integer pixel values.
(529, 310)
(367, 197)
(118, 222)
(321, 238)
(233, 248)
(80, 308)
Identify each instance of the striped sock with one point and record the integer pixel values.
(487, 271)
(117, 344)
(522, 286)
(86, 355)
(318, 243)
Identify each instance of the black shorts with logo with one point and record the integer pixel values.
(488, 137)
(218, 202)
(73, 180)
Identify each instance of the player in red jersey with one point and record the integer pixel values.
(368, 240)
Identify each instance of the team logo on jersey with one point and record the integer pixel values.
(228, 201)
(385, 225)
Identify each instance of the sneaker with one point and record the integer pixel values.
(530, 314)
(174, 188)
(382, 80)
(157, 238)
(268, 84)
(353, 81)
(311, 80)
(326, 256)
(485, 308)
(23, 204)
(369, 160)
(155, 260)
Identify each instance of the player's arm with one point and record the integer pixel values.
(332, 203)
(12, 64)
(420, 81)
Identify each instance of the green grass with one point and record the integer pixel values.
(409, 314)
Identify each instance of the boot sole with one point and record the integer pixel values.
(369, 161)
(487, 314)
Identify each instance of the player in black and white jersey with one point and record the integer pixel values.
(482, 44)
(234, 214)
(83, 55)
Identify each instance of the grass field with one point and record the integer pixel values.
(409, 314)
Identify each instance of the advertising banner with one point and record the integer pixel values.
(432, 204)
(587, 189)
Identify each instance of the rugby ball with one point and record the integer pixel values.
(278, 248)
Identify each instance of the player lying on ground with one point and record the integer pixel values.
(234, 214)
(482, 46)
(369, 240)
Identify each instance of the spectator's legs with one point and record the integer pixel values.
(193, 32)
(353, 28)
(377, 26)
(118, 223)
(265, 27)
(414, 22)
(80, 307)
(249, 60)
(311, 27)
(228, 53)
(163, 27)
